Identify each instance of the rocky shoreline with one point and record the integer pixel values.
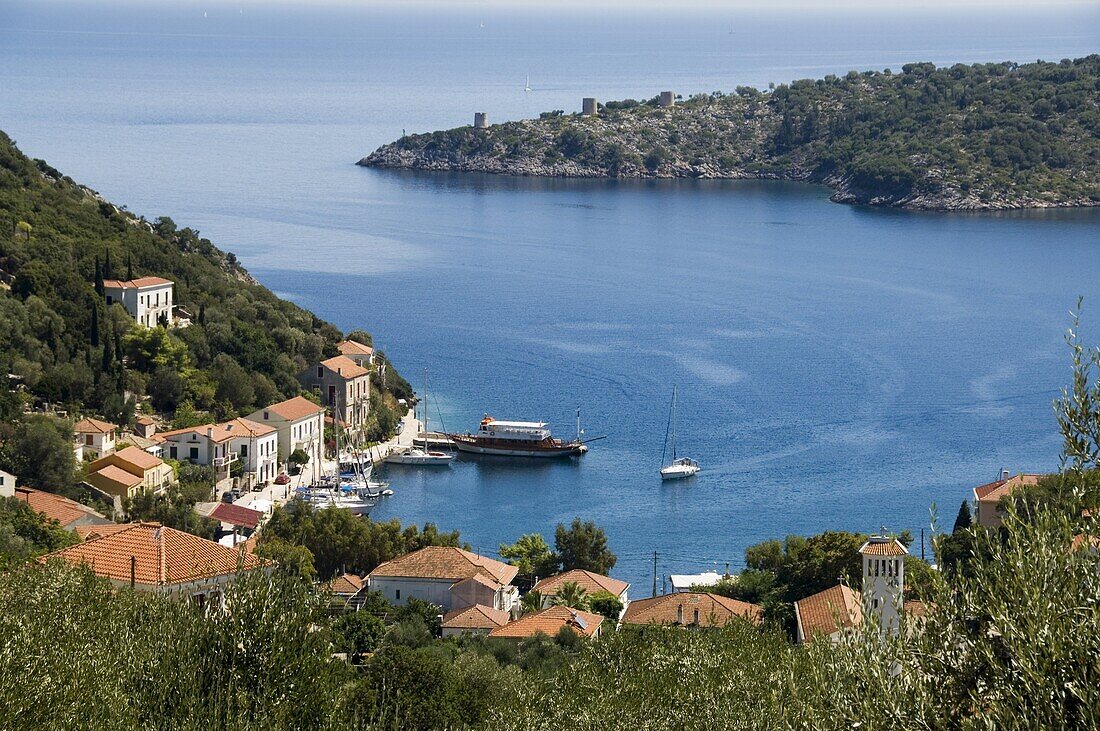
(391, 157)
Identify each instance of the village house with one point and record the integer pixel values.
(589, 581)
(154, 558)
(68, 513)
(349, 591)
(7, 484)
(343, 385)
(836, 612)
(145, 427)
(477, 620)
(147, 299)
(93, 438)
(237, 522)
(361, 355)
(253, 445)
(128, 472)
(447, 577)
(691, 609)
(685, 582)
(299, 424)
(988, 497)
(549, 622)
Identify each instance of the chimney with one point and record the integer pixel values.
(1004, 474)
(209, 432)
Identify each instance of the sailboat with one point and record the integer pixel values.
(415, 455)
(679, 467)
(527, 84)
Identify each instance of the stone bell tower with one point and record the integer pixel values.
(884, 580)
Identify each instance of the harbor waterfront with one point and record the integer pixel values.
(839, 367)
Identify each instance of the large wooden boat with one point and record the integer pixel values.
(517, 439)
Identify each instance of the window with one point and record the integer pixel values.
(320, 372)
(194, 453)
(265, 416)
(397, 595)
(244, 451)
(109, 301)
(172, 453)
(88, 439)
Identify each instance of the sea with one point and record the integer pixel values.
(837, 367)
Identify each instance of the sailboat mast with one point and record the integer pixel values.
(673, 423)
(425, 409)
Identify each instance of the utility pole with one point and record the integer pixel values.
(654, 573)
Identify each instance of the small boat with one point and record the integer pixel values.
(519, 439)
(679, 467)
(423, 457)
(527, 84)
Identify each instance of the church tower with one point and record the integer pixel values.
(884, 580)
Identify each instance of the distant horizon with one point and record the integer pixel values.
(715, 5)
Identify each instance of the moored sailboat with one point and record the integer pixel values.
(678, 467)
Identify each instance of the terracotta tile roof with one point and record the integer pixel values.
(163, 556)
(88, 532)
(55, 507)
(819, 613)
(93, 426)
(479, 579)
(445, 562)
(145, 420)
(477, 616)
(249, 546)
(350, 347)
(137, 457)
(131, 283)
(714, 610)
(992, 492)
(237, 515)
(916, 608)
(549, 622)
(347, 585)
(295, 408)
(1082, 541)
(119, 475)
(589, 581)
(345, 367)
(880, 546)
(249, 427)
(214, 432)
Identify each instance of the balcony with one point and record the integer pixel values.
(222, 463)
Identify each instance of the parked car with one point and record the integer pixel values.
(227, 496)
(282, 479)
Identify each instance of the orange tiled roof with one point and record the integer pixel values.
(445, 562)
(88, 532)
(345, 367)
(880, 546)
(93, 426)
(477, 616)
(237, 515)
(295, 408)
(115, 473)
(131, 283)
(55, 507)
(347, 585)
(992, 492)
(162, 556)
(589, 581)
(223, 432)
(549, 622)
(137, 457)
(819, 613)
(714, 610)
(350, 347)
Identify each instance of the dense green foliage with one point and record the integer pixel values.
(981, 136)
(339, 542)
(25, 534)
(58, 241)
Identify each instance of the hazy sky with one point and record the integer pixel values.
(757, 5)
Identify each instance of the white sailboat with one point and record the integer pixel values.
(415, 455)
(527, 84)
(679, 467)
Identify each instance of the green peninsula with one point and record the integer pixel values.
(980, 137)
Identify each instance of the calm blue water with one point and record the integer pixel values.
(838, 367)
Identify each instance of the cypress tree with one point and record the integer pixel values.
(202, 314)
(98, 277)
(965, 519)
(93, 332)
(107, 265)
(129, 268)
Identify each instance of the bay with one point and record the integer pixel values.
(838, 367)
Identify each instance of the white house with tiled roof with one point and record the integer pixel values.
(447, 577)
(299, 424)
(476, 619)
(155, 558)
(255, 445)
(147, 299)
(93, 438)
